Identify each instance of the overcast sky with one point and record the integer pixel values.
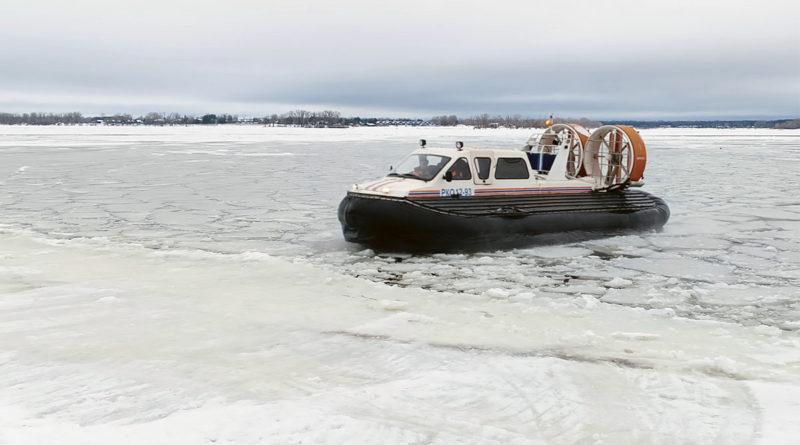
(597, 59)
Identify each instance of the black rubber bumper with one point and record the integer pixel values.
(454, 223)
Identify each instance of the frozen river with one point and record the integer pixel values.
(191, 285)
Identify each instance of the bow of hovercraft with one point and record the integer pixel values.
(386, 212)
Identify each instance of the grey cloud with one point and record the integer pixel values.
(596, 86)
(621, 59)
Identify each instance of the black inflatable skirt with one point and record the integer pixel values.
(465, 223)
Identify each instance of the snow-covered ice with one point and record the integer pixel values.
(190, 285)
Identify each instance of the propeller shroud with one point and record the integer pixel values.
(615, 155)
(572, 136)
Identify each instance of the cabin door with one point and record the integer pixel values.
(482, 165)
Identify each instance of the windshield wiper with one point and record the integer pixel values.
(406, 175)
(412, 176)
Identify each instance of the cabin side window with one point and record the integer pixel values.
(482, 165)
(511, 168)
(459, 171)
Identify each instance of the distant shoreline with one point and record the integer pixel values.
(250, 124)
(334, 119)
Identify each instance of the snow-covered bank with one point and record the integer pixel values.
(121, 343)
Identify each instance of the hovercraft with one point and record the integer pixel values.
(565, 182)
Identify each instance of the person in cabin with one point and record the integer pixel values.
(422, 169)
(459, 171)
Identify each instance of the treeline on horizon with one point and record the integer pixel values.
(509, 121)
(296, 117)
(781, 124)
(328, 118)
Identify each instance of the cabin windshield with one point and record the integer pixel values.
(420, 166)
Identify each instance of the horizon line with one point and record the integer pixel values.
(426, 118)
